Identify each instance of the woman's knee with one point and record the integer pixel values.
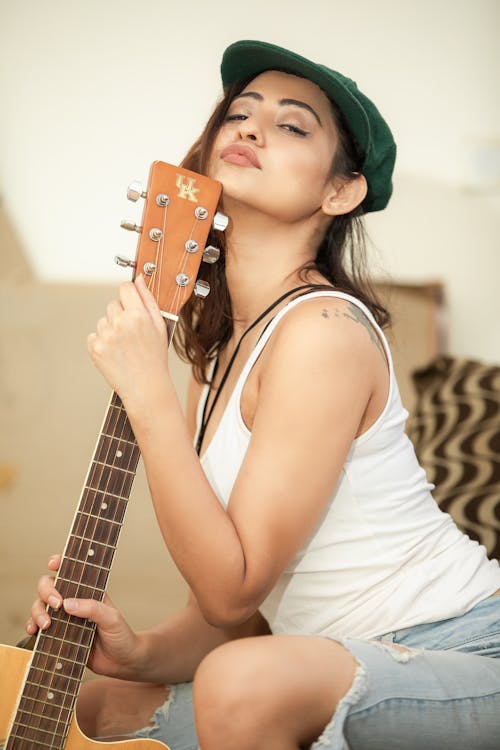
(225, 687)
(289, 683)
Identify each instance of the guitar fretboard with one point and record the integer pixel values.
(46, 705)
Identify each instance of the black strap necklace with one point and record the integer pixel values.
(205, 418)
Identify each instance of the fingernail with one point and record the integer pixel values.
(70, 605)
(45, 623)
(54, 602)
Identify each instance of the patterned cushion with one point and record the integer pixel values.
(455, 429)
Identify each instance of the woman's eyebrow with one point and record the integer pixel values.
(298, 103)
(282, 102)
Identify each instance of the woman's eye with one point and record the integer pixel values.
(236, 116)
(294, 129)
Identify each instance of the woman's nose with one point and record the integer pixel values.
(251, 130)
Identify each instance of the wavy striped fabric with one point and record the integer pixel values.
(455, 429)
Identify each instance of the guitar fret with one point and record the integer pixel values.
(39, 743)
(101, 519)
(82, 580)
(80, 583)
(105, 493)
(57, 676)
(45, 717)
(54, 733)
(121, 439)
(49, 710)
(93, 541)
(52, 689)
(100, 530)
(110, 466)
(104, 506)
(106, 479)
(80, 625)
(52, 709)
(74, 662)
(85, 646)
(86, 563)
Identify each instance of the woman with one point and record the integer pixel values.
(332, 604)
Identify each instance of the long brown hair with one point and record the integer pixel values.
(205, 326)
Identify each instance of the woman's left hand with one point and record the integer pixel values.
(130, 345)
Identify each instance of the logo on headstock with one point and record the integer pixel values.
(186, 187)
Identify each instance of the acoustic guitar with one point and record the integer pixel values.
(37, 700)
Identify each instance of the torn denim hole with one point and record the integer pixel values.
(160, 715)
(333, 734)
(402, 654)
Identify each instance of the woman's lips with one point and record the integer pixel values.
(244, 156)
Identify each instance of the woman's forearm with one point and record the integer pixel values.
(170, 652)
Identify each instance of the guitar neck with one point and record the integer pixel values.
(92, 541)
(61, 652)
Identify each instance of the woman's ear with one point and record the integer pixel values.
(343, 197)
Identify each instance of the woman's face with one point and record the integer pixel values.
(274, 151)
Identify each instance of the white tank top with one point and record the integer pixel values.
(385, 556)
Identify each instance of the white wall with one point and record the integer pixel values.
(93, 91)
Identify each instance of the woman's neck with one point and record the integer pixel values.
(263, 260)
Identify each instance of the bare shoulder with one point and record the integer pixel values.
(327, 364)
(329, 326)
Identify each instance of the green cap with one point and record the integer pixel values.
(246, 59)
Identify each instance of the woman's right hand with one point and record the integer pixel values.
(115, 649)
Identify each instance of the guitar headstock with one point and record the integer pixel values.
(179, 211)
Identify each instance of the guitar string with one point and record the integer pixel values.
(181, 268)
(155, 281)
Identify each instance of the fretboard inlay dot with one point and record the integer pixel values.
(119, 454)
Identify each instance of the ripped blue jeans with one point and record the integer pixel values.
(442, 691)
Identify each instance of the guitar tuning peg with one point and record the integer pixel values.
(135, 191)
(124, 262)
(220, 221)
(211, 254)
(130, 226)
(201, 288)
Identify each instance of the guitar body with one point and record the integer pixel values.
(13, 665)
